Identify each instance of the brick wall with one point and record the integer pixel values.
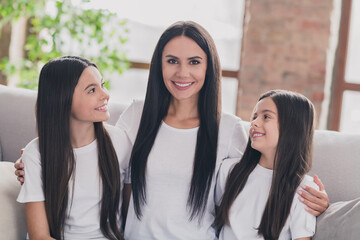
(284, 46)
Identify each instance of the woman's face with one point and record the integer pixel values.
(184, 68)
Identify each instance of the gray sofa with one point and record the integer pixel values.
(336, 159)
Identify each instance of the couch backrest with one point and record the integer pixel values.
(17, 120)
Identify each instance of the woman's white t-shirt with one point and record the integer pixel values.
(83, 216)
(246, 212)
(168, 176)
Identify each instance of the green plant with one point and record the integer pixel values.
(67, 30)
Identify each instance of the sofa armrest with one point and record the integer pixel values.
(12, 217)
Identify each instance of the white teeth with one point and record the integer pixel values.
(257, 135)
(102, 108)
(182, 85)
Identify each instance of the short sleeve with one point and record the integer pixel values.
(123, 148)
(221, 178)
(32, 189)
(302, 223)
(129, 120)
(239, 140)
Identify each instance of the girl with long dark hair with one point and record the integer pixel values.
(257, 195)
(75, 168)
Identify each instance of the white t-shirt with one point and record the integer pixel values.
(246, 212)
(83, 218)
(168, 176)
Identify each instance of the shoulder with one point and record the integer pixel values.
(31, 150)
(232, 136)
(131, 114)
(118, 137)
(129, 120)
(309, 181)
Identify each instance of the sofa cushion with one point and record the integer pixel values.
(340, 221)
(12, 213)
(336, 161)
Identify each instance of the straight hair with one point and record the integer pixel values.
(156, 106)
(57, 81)
(292, 161)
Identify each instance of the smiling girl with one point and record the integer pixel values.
(257, 195)
(75, 168)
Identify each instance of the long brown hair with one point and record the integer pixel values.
(57, 81)
(156, 107)
(293, 159)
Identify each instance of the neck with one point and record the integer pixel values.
(81, 134)
(183, 114)
(267, 160)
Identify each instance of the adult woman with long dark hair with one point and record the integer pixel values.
(257, 195)
(75, 168)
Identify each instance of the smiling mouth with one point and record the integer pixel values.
(102, 108)
(258, 135)
(183, 85)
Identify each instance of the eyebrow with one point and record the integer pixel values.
(190, 58)
(93, 84)
(267, 110)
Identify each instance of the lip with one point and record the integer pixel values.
(182, 85)
(256, 134)
(102, 108)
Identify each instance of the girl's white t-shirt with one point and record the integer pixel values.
(246, 212)
(83, 214)
(168, 176)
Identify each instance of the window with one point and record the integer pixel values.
(345, 107)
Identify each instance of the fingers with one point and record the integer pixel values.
(314, 205)
(319, 183)
(21, 180)
(19, 173)
(19, 165)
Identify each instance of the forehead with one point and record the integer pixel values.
(89, 75)
(265, 104)
(183, 46)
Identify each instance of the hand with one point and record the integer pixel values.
(19, 172)
(316, 201)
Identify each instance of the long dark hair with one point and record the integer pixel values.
(293, 159)
(57, 81)
(156, 107)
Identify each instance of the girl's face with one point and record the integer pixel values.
(184, 68)
(264, 130)
(90, 98)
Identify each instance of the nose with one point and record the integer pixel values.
(105, 94)
(183, 71)
(254, 123)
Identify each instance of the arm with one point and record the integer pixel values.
(36, 219)
(316, 201)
